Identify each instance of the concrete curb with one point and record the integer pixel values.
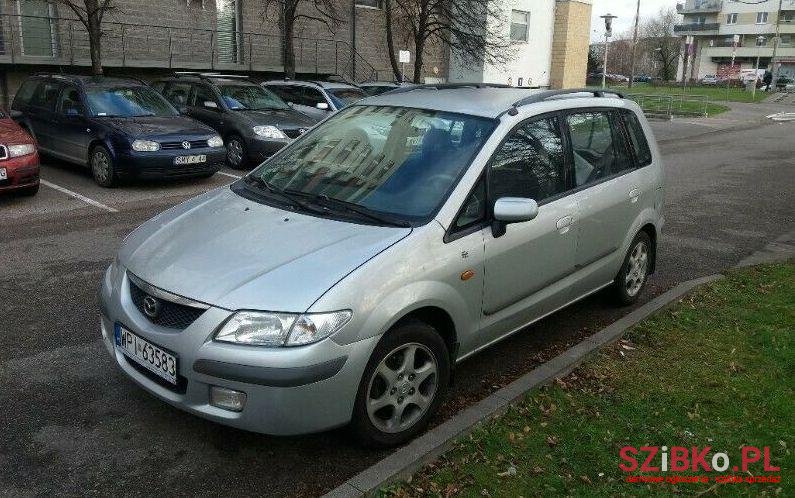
(426, 448)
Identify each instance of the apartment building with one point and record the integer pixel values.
(550, 41)
(712, 25)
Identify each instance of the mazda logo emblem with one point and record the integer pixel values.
(151, 307)
(186, 145)
(302, 131)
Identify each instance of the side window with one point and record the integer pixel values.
(177, 94)
(473, 212)
(69, 102)
(637, 139)
(25, 93)
(530, 163)
(598, 147)
(159, 86)
(46, 95)
(313, 97)
(202, 94)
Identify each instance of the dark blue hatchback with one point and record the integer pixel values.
(120, 128)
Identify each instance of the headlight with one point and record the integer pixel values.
(215, 141)
(21, 150)
(268, 131)
(281, 329)
(145, 146)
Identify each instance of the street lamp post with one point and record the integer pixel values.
(608, 33)
(760, 42)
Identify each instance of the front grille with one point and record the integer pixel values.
(294, 133)
(194, 144)
(170, 315)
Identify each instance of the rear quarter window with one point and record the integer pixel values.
(25, 93)
(637, 138)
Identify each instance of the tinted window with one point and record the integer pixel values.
(345, 96)
(250, 97)
(46, 95)
(69, 103)
(177, 94)
(530, 163)
(287, 93)
(127, 101)
(391, 160)
(637, 139)
(202, 94)
(312, 97)
(598, 147)
(25, 93)
(473, 211)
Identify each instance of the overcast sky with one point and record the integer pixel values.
(625, 10)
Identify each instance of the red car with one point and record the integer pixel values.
(19, 159)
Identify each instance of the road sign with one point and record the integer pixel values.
(405, 56)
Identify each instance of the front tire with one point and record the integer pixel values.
(236, 153)
(634, 272)
(403, 385)
(102, 167)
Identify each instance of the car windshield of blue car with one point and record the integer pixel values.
(250, 98)
(128, 102)
(343, 97)
(393, 161)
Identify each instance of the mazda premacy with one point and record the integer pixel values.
(340, 281)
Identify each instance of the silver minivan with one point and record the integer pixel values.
(340, 281)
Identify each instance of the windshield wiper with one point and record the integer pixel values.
(291, 199)
(350, 207)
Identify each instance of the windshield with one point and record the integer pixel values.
(389, 160)
(373, 90)
(127, 102)
(344, 97)
(250, 98)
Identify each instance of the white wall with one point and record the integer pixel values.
(532, 60)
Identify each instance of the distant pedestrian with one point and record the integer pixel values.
(767, 80)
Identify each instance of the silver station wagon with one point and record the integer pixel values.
(340, 281)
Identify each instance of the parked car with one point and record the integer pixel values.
(643, 78)
(341, 280)
(710, 79)
(374, 88)
(254, 121)
(19, 160)
(317, 99)
(118, 127)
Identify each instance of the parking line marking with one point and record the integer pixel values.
(80, 197)
(229, 174)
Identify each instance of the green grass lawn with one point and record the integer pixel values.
(717, 369)
(713, 93)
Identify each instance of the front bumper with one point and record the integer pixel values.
(160, 164)
(22, 172)
(289, 390)
(260, 149)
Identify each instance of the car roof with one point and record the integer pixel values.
(323, 84)
(217, 80)
(91, 80)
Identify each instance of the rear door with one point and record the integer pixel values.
(42, 114)
(201, 107)
(607, 190)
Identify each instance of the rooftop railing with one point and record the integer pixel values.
(63, 41)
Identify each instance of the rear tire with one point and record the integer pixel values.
(397, 396)
(102, 167)
(634, 273)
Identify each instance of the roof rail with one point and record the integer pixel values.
(200, 74)
(553, 94)
(446, 86)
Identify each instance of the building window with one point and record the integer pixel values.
(701, 20)
(38, 28)
(520, 29)
(761, 17)
(788, 17)
(731, 18)
(786, 40)
(228, 36)
(761, 41)
(372, 4)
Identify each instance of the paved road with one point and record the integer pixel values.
(73, 425)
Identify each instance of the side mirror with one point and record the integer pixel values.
(322, 106)
(512, 210)
(209, 104)
(15, 114)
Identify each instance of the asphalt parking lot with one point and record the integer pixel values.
(72, 424)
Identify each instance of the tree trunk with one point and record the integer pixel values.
(94, 27)
(390, 42)
(419, 48)
(288, 30)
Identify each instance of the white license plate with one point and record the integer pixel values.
(146, 354)
(3, 174)
(190, 159)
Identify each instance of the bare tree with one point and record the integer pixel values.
(665, 48)
(467, 27)
(390, 40)
(90, 13)
(292, 11)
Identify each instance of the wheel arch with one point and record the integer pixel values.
(440, 320)
(651, 231)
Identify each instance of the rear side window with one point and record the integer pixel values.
(177, 94)
(203, 94)
(598, 146)
(25, 93)
(287, 93)
(46, 95)
(637, 138)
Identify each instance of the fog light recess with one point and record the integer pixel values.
(227, 399)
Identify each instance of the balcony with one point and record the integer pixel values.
(62, 41)
(699, 6)
(697, 28)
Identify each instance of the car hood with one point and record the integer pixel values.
(158, 127)
(234, 253)
(281, 118)
(12, 134)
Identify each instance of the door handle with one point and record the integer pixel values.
(634, 194)
(564, 224)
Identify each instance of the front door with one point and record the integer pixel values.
(206, 107)
(73, 135)
(527, 266)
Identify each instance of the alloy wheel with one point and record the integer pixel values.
(637, 269)
(402, 388)
(234, 152)
(100, 165)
